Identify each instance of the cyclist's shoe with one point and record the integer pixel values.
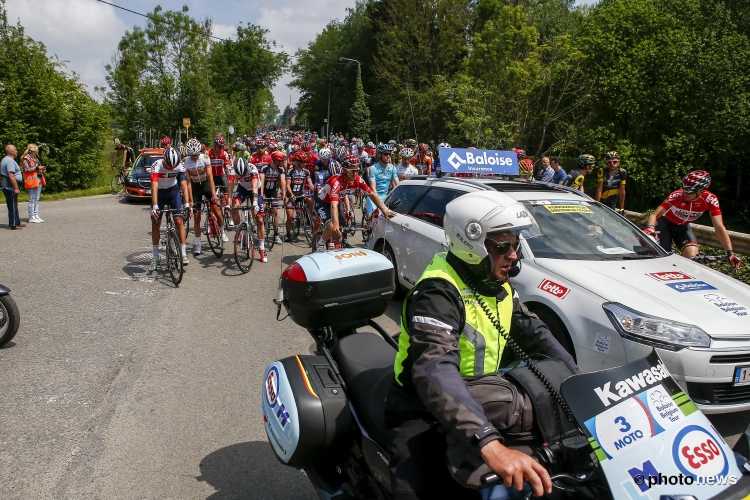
(224, 237)
(185, 261)
(262, 256)
(278, 240)
(288, 238)
(198, 250)
(230, 223)
(320, 245)
(154, 264)
(345, 244)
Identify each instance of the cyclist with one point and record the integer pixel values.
(325, 167)
(614, 177)
(220, 163)
(328, 207)
(128, 157)
(383, 175)
(247, 185)
(165, 142)
(167, 180)
(575, 177)
(273, 185)
(298, 181)
(525, 165)
(671, 220)
(405, 169)
(200, 187)
(422, 160)
(261, 159)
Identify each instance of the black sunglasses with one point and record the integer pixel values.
(504, 247)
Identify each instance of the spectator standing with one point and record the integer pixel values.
(11, 177)
(546, 173)
(560, 175)
(32, 180)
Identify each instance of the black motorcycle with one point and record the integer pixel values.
(10, 318)
(635, 430)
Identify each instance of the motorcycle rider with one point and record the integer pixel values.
(446, 337)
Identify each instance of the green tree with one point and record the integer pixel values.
(359, 116)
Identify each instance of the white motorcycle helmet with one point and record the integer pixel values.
(472, 218)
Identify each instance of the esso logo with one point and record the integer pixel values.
(553, 288)
(670, 276)
(696, 452)
(272, 386)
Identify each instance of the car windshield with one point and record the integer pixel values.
(583, 230)
(143, 165)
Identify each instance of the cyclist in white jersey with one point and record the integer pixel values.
(200, 186)
(167, 179)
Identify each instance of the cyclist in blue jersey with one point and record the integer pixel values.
(383, 175)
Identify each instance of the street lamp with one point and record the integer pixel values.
(352, 60)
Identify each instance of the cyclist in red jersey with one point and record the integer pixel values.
(327, 205)
(261, 158)
(220, 163)
(671, 220)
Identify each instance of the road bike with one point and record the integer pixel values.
(221, 195)
(712, 259)
(172, 248)
(347, 228)
(244, 238)
(302, 221)
(212, 230)
(270, 221)
(118, 180)
(187, 215)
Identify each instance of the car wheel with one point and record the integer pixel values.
(556, 326)
(387, 251)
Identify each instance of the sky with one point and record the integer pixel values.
(86, 32)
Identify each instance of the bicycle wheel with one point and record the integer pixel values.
(211, 228)
(244, 248)
(315, 239)
(308, 227)
(174, 259)
(296, 224)
(270, 231)
(117, 184)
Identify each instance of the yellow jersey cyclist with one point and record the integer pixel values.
(576, 176)
(610, 187)
(167, 180)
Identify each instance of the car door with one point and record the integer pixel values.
(422, 234)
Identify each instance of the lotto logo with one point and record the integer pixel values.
(670, 276)
(553, 288)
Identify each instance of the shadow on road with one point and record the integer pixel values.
(730, 425)
(251, 471)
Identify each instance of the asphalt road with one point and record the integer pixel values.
(119, 385)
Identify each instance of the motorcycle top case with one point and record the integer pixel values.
(305, 412)
(338, 288)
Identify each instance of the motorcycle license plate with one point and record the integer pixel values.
(148, 191)
(741, 375)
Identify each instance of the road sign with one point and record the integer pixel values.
(478, 161)
(231, 129)
(186, 122)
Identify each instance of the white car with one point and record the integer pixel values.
(606, 290)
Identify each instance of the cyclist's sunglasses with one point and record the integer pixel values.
(504, 247)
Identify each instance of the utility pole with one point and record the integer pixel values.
(328, 118)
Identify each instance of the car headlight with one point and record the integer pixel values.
(130, 179)
(651, 330)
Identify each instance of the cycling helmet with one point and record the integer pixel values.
(260, 143)
(407, 153)
(334, 167)
(411, 143)
(243, 147)
(360, 143)
(171, 158)
(520, 153)
(240, 167)
(325, 153)
(443, 145)
(471, 218)
(423, 148)
(341, 152)
(525, 167)
(696, 181)
(166, 142)
(586, 161)
(350, 162)
(371, 145)
(219, 141)
(612, 155)
(392, 142)
(236, 146)
(302, 156)
(278, 155)
(384, 148)
(307, 147)
(273, 146)
(193, 147)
